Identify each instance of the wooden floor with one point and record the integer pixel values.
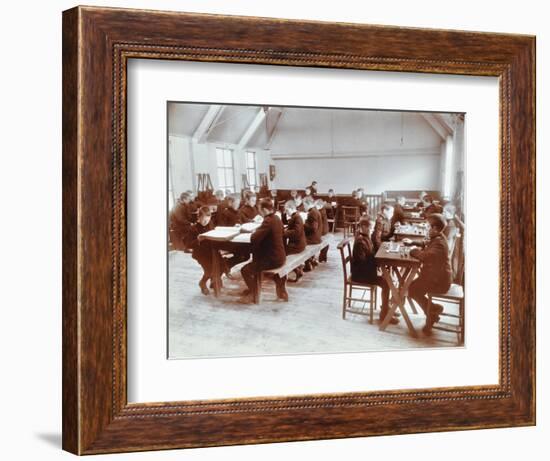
(311, 322)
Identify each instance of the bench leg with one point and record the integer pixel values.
(280, 285)
(257, 295)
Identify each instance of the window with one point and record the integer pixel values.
(251, 168)
(226, 175)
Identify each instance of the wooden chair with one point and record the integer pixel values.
(350, 216)
(455, 295)
(345, 247)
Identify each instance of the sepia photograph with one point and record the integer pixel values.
(313, 230)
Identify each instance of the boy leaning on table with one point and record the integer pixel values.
(435, 273)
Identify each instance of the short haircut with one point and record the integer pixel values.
(266, 204)
(438, 221)
(331, 190)
(232, 198)
(428, 198)
(366, 221)
(184, 196)
(204, 211)
(248, 194)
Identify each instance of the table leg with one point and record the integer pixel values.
(216, 270)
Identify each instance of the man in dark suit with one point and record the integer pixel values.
(363, 264)
(435, 274)
(295, 237)
(268, 252)
(248, 211)
(382, 228)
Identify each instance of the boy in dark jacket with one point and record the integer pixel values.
(435, 274)
(248, 211)
(320, 205)
(295, 238)
(382, 228)
(230, 215)
(268, 251)
(181, 217)
(313, 229)
(201, 249)
(363, 264)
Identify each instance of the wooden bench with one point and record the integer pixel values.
(292, 262)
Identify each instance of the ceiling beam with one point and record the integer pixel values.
(273, 116)
(207, 123)
(440, 127)
(249, 132)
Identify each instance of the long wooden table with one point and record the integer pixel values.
(412, 231)
(406, 268)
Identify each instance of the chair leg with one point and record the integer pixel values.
(372, 301)
(344, 302)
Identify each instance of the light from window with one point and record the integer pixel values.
(226, 174)
(251, 168)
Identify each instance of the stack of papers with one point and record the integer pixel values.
(220, 234)
(250, 226)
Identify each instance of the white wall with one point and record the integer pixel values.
(374, 173)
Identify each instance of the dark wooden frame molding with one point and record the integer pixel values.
(97, 43)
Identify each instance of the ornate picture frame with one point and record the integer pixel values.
(97, 44)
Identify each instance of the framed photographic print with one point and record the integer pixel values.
(282, 230)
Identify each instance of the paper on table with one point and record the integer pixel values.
(220, 234)
(242, 238)
(250, 226)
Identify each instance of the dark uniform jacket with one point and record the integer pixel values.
(181, 218)
(247, 213)
(268, 248)
(398, 215)
(296, 242)
(382, 231)
(201, 250)
(330, 210)
(324, 221)
(436, 266)
(431, 209)
(230, 217)
(313, 226)
(363, 264)
(362, 204)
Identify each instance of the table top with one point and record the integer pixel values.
(386, 256)
(411, 230)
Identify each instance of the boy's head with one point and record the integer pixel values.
(314, 183)
(298, 200)
(233, 201)
(290, 207)
(204, 215)
(228, 192)
(219, 194)
(436, 224)
(293, 193)
(308, 191)
(387, 210)
(250, 198)
(266, 206)
(360, 192)
(422, 195)
(308, 203)
(331, 192)
(366, 225)
(184, 197)
(428, 200)
(191, 194)
(354, 194)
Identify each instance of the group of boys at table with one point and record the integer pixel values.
(304, 222)
(275, 236)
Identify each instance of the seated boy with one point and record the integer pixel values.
(430, 207)
(312, 229)
(382, 228)
(181, 217)
(201, 249)
(320, 205)
(435, 273)
(398, 217)
(363, 264)
(230, 218)
(268, 252)
(295, 238)
(248, 211)
(230, 215)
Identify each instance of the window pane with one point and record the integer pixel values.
(221, 177)
(229, 177)
(219, 156)
(249, 160)
(251, 177)
(228, 160)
